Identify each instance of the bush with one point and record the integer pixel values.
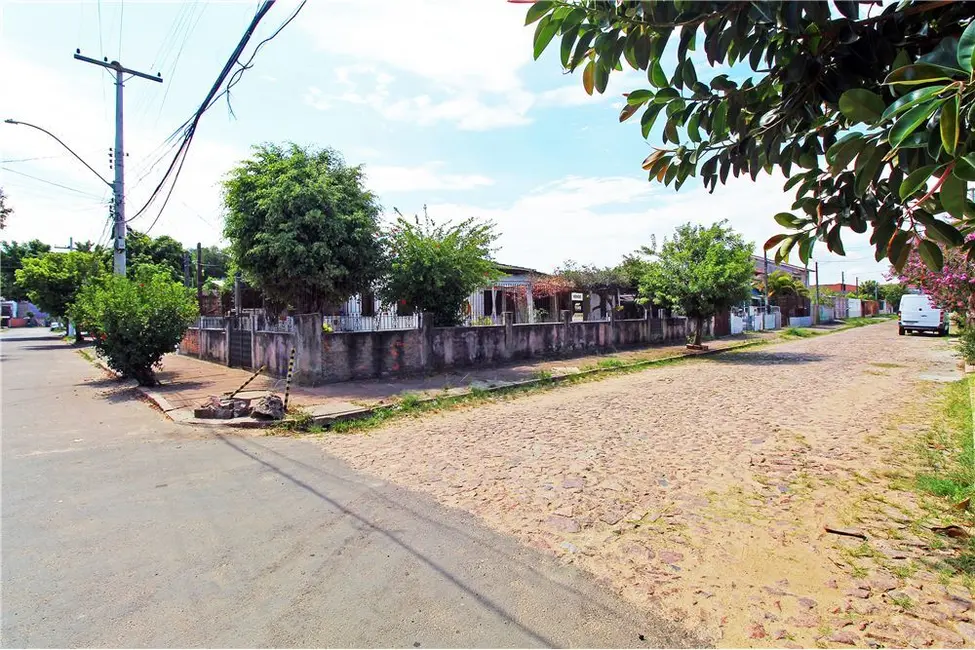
(966, 343)
(136, 321)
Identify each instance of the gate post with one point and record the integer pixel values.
(227, 326)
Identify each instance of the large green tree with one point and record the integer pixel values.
(163, 251)
(699, 272)
(302, 227)
(867, 111)
(12, 256)
(53, 280)
(434, 267)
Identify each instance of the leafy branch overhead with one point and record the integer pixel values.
(867, 116)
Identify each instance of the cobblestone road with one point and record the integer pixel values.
(699, 489)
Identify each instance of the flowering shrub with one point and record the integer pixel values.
(951, 288)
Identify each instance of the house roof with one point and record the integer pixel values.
(511, 269)
(781, 265)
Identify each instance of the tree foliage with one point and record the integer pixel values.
(780, 285)
(891, 293)
(701, 271)
(12, 256)
(868, 290)
(952, 287)
(302, 228)
(869, 117)
(5, 210)
(435, 267)
(53, 280)
(136, 320)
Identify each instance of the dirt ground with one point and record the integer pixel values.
(702, 489)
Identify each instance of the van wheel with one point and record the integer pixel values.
(900, 331)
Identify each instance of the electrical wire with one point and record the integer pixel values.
(179, 53)
(121, 21)
(44, 180)
(188, 129)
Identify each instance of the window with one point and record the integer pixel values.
(488, 302)
(403, 309)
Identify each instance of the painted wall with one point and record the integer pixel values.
(368, 355)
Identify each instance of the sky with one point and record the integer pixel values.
(440, 101)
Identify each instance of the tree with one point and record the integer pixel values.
(890, 91)
(868, 290)
(137, 320)
(5, 210)
(780, 285)
(162, 251)
(53, 280)
(435, 267)
(302, 227)
(701, 271)
(12, 256)
(951, 288)
(891, 294)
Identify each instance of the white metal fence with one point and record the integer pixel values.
(381, 321)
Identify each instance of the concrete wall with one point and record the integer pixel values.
(271, 350)
(367, 355)
(364, 355)
(207, 344)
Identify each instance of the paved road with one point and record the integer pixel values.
(120, 528)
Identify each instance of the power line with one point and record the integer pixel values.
(188, 128)
(44, 180)
(121, 21)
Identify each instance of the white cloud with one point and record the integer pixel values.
(598, 220)
(315, 98)
(389, 178)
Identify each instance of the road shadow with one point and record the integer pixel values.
(239, 444)
(767, 358)
(56, 345)
(42, 337)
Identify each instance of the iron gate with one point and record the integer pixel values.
(239, 346)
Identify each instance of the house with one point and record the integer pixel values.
(511, 293)
(839, 288)
(791, 305)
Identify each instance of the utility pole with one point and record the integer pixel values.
(765, 253)
(843, 281)
(817, 292)
(118, 186)
(199, 276)
(186, 269)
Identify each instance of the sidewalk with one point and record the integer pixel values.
(186, 382)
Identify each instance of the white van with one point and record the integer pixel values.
(918, 314)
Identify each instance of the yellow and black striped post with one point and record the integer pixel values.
(249, 380)
(287, 383)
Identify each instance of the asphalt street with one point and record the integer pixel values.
(121, 528)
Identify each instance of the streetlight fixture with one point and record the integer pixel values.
(61, 142)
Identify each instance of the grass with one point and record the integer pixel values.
(887, 365)
(948, 449)
(902, 601)
(800, 332)
(541, 374)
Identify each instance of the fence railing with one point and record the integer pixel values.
(211, 323)
(379, 322)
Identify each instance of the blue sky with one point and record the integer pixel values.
(440, 101)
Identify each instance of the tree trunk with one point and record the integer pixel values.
(145, 377)
(698, 330)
